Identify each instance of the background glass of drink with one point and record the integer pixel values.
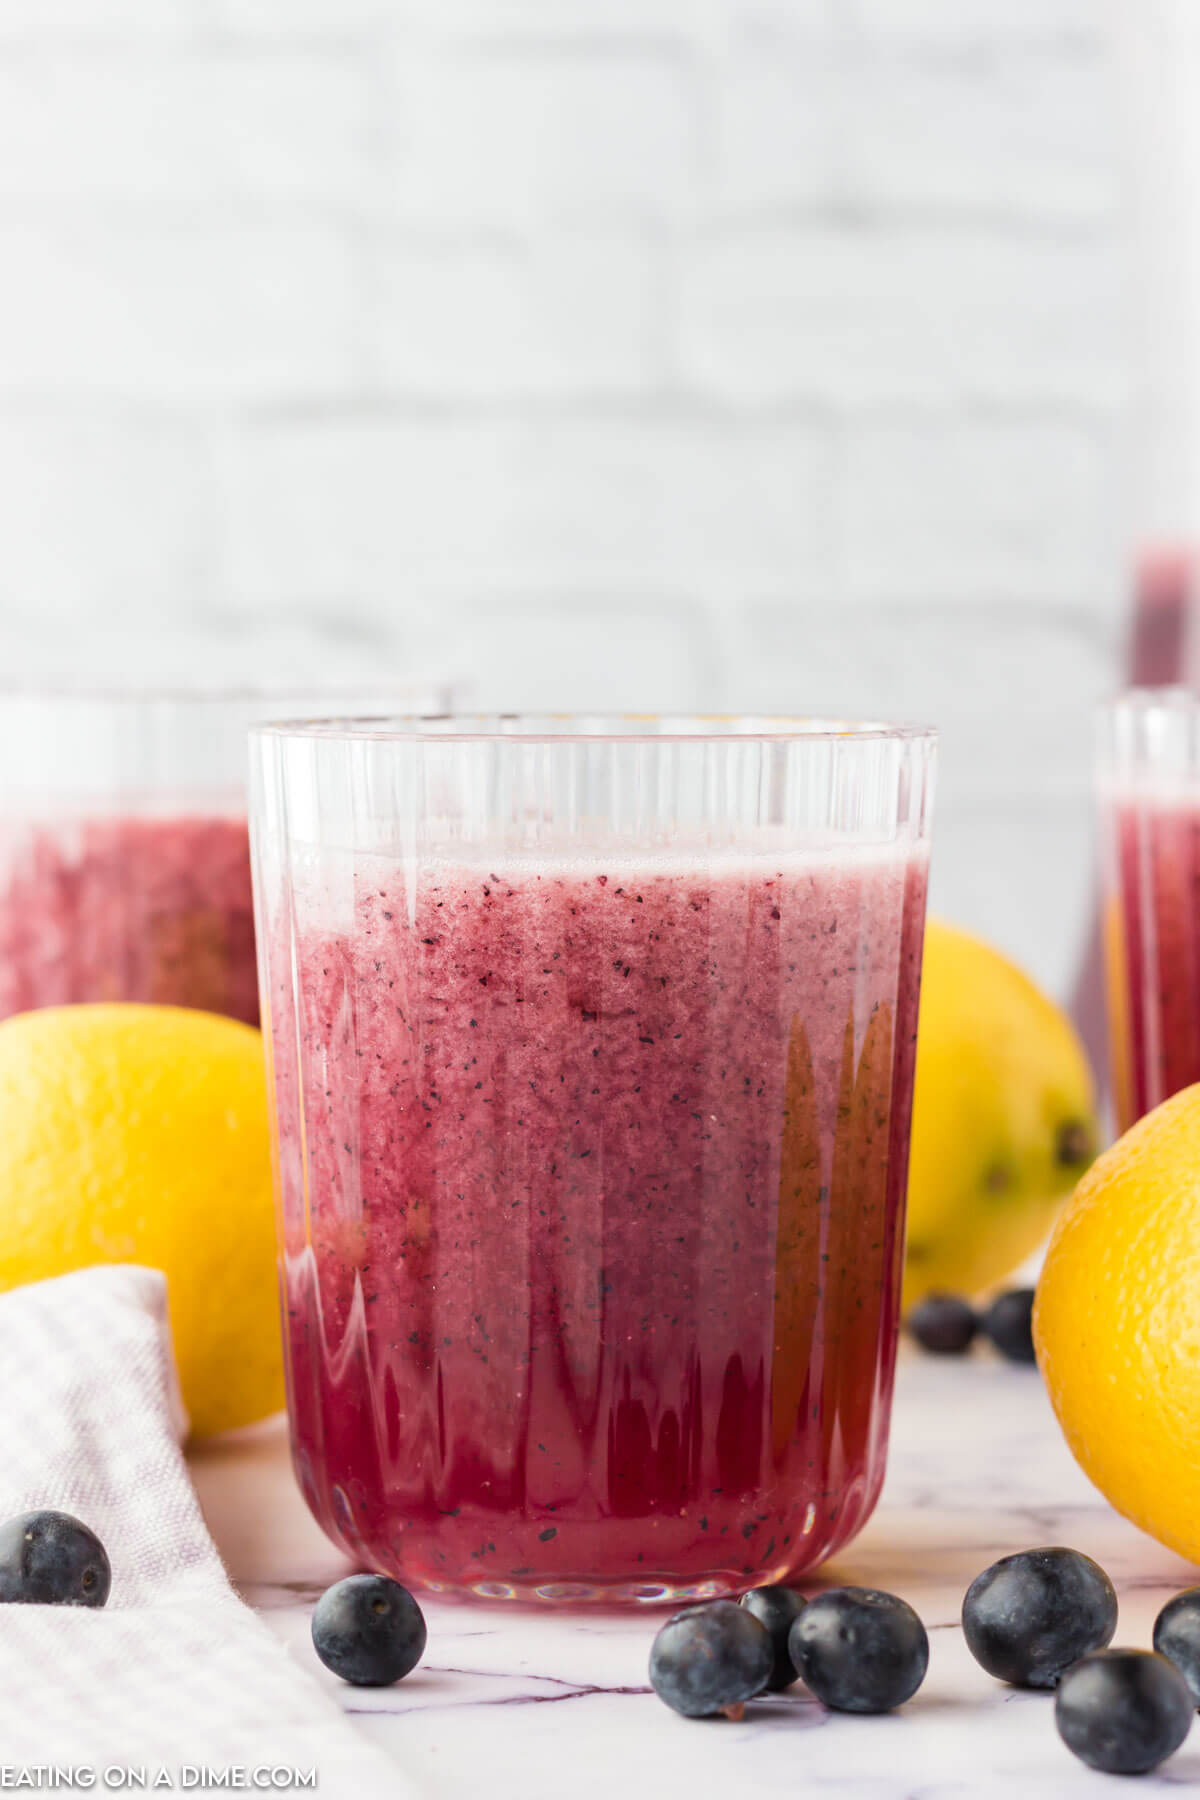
(1149, 798)
(124, 848)
(592, 1051)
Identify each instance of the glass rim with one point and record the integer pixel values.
(616, 728)
(1174, 696)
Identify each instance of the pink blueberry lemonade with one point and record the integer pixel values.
(592, 1184)
(127, 908)
(1153, 951)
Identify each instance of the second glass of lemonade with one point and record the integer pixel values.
(124, 846)
(592, 1047)
(1149, 797)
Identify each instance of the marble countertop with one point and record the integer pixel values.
(551, 1704)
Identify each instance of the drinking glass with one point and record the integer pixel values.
(1149, 804)
(591, 1047)
(124, 848)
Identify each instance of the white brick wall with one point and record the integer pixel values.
(899, 314)
(689, 353)
(580, 315)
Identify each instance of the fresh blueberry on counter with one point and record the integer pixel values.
(777, 1608)
(1123, 1711)
(711, 1659)
(52, 1559)
(1008, 1322)
(859, 1650)
(1177, 1635)
(944, 1324)
(1030, 1616)
(368, 1630)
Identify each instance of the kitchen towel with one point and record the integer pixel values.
(175, 1673)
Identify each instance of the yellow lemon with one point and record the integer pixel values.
(1117, 1323)
(140, 1134)
(1003, 1118)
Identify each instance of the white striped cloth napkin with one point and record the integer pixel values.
(175, 1672)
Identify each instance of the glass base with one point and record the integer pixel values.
(613, 1562)
(623, 1585)
(622, 1594)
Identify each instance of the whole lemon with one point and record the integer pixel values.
(1117, 1323)
(140, 1134)
(1004, 1118)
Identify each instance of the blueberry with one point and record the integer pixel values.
(51, 1559)
(859, 1650)
(1008, 1322)
(1123, 1711)
(368, 1630)
(777, 1608)
(1032, 1615)
(711, 1659)
(944, 1324)
(1177, 1635)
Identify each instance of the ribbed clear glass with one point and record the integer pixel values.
(124, 850)
(592, 1051)
(1148, 761)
